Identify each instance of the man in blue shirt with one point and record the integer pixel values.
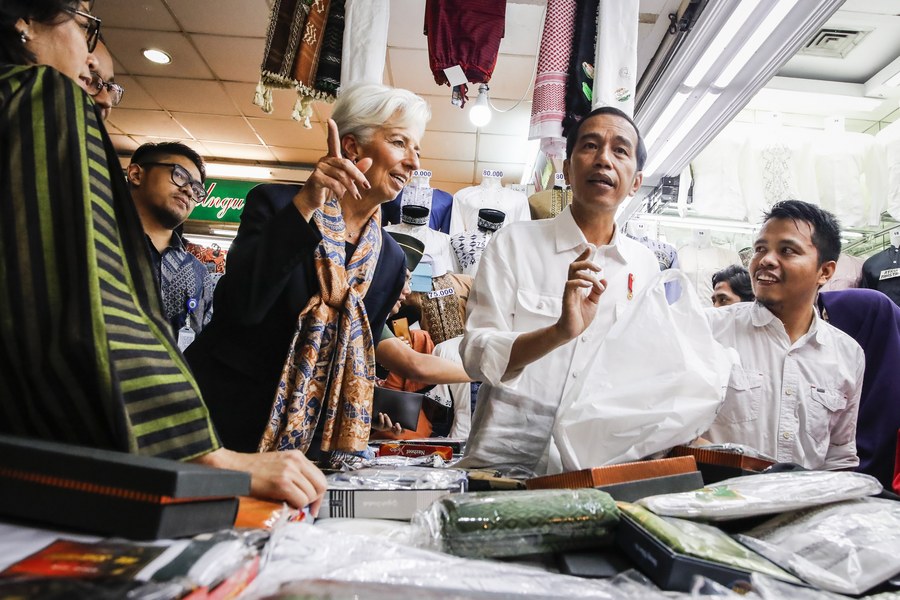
(165, 180)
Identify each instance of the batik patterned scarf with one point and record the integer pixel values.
(330, 367)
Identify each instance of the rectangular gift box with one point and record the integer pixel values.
(614, 474)
(414, 450)
(113, 493)
(717, 465)
(398, 505)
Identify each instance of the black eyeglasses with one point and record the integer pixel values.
(181, 178)
(97, 85)
(92, 27)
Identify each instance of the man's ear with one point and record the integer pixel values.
(134, 174)
(566, 172)
(350, 147)
(826, 271)
(638, 180)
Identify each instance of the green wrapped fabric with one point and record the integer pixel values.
(516, 523)
(703, 541)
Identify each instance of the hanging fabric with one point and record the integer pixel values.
(303, 52)
(549, 105)
(615, 62)
(465, 33)
(365, 41)
(580, 84)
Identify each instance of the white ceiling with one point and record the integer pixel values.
(204, 97)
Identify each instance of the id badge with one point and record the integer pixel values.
(186, 336)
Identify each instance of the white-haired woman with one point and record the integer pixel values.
(288, 359)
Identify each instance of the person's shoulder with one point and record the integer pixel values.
(277, 192)
(31, 78)
(843, 342)
(729, 317)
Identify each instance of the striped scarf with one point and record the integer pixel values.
(333, 333)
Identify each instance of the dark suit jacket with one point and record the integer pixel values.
(270, 276)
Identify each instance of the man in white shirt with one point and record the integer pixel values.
(546, 294)
(795, 395)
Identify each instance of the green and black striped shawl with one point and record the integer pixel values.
(85, 354)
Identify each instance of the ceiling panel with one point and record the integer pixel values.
(138, 14)
(136, 95)
(290, 134)
(124, 144)
(503, 148)
(126, 45)
(512, 77)
(297, 155)
(409, 69)
(245, 152)
(191, 95)
(450, 146)
(194, 144)
(523, 29)
(447, 117)
(247, 18)
(232, 59)
(406, 28)
(217, 128)
(147, 122)
(242, 95)
(516, 121)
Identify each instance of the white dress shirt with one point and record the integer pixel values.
(437, 246)
(518, 289)
(794, 402)
(468, 201)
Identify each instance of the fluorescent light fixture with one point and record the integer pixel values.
(698, 112)
(701, 223)
(819, 103)
(237, 171)
(226, 232)
(480, 113)
(665, 118)
(776, 15)
(726, 35)
(894, 81)
(157, 56)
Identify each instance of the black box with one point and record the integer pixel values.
(668, 569)
(630, 491)
(113, 493)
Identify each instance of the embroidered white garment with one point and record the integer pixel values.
(488, 194)
(365, 41)
(615, 65)
(437, 246)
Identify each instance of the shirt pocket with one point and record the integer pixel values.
(535, 310)
(743, 396)
(824, 402)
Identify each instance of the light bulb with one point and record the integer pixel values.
(157, 56)
(480, 113)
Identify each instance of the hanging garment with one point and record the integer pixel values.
(365, 41)
(465, 33)
(329, 372)
(549, 101)
(303, 52)
(852, 177)
(882, 272)
(699, 264)
(437, 201)
(889, 140)
(468, 247)
(443, 310)
(615, 63)
(717, 182)
(468, 201)
(546, 204)
(847, 274)
(580, 84)
(437, 246)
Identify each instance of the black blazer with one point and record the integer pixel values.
(270, 276)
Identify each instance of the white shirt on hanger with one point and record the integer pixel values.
(889, 140)
(519, 287)
(437, 246)
(488, 194)
(794, 402)
(852, 177)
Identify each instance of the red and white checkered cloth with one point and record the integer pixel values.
(549, 104)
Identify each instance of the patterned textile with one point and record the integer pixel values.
(615, 62)
(468, 247)
(580, 84)
(549, 105)
(365, 41)
(182, 278)
(303, 48)
(443, 310)
(213, 257)
(546, 204)
(85, 354)
(439, 202)
(330, 367)
(465, 33)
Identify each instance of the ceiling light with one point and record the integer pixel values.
(157, 56)
(726, 35)
(237, 171)
(480, 113)
(818, 103)
(894, 81)
(698, 112)
(667, 116)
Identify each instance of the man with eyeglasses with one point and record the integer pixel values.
(165, 180)
(105, 91)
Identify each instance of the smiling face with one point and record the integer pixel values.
(394, 151)
(61, 44)
(156, 197)
(785, 270)
(602, 169)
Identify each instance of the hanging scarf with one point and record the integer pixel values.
(330, 367)
(580, 84)
(549, 104)
(303, 52)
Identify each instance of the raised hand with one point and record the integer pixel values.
(581, 296)
(333, 175)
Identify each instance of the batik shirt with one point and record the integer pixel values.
(185, 285)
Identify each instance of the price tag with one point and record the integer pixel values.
(440, 293)
(422, 173)
(559, 179)
(889, 274)
(492, 173)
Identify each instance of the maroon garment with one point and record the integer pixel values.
(465, 33)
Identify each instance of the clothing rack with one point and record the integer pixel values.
(871, 243)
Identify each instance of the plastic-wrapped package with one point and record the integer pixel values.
(848, 547)
(764, 494)
(496, 524)
(299, 552)
(703, 541)
(401, 478)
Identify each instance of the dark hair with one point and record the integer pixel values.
(12, 50)
(151, 152)
(826, 231)
(738, 279)
(608, 110)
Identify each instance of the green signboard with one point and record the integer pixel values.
(224, 201)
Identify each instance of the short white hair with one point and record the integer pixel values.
(362, 108)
